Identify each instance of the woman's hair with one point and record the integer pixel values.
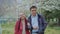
(21, 13)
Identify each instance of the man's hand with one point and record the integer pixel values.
(35, 28)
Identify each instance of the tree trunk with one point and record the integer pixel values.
(59, 21)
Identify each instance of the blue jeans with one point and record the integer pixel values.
(37, 33)
(34, 33)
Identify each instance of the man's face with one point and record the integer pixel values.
(33, 11)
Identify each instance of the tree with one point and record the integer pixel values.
(52, 9)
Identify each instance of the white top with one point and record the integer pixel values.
(23, 31)
(35, 22)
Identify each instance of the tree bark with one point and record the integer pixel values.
(59, 21)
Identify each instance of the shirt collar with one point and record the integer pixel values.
(34, 16)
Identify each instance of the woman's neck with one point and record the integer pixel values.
(22, 19)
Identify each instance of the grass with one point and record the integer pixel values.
(8, 28)
(52, 30)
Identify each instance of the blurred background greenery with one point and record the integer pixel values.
(10, 10)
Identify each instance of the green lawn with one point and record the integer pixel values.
(8, 28)
(52, 30)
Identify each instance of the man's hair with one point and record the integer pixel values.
(33, 7)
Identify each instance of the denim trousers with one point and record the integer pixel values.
(38, 33)
(34, 33)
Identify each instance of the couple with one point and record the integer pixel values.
(35, 24)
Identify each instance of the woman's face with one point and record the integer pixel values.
(22, 16)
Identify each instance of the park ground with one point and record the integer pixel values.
(8, 28)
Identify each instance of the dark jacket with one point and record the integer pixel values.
(41, 22)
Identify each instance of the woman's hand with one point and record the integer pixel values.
(28, 24)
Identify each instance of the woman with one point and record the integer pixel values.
(21, 25)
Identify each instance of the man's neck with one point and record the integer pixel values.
(34, 15)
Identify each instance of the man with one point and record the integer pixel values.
(36, 21)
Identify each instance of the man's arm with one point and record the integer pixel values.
(29, 27)
(44, 23)
(29, 21)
